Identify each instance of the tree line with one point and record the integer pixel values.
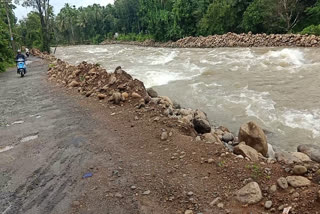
(166, 20)
(161, 20)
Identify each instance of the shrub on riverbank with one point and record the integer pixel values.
(313, 29)
(134, 37)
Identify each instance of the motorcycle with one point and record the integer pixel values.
(21, 67)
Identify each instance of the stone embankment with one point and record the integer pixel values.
(300, 171)
(233, 40)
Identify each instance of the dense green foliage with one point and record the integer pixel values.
(173, 19)
(30, 31)
(6, 52)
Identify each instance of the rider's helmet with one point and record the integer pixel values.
(18, 51)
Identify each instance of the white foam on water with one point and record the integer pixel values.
(4, 149)
(286, 56)
(18, 122)
(162, 60)
(308, 120)
(157, 78)
(26, 139)
(255, 104)
(204, 61)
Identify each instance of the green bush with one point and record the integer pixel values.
(134, 37)
(312, 29)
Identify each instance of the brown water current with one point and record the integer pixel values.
(277, 87)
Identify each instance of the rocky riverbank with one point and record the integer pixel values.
(233, 40)
(293, 176)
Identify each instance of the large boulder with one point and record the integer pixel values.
(249, 194)
(201, 123)
(246, 151)
(254, 136)
(312, 151)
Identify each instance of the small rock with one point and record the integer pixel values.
(298, 181)
(74, 84)
(164, 136)
(239, 157)
(215, 201)
(319, 195)
(116, 98)
(201, 123)
(152, 93)
(296, 195)
(188, 212)
(102, 96)
(273, 189)
(301, 156)
(282, 182)
(286, 157)
(112, 80)
(249, 194)
(190, 193)
(146, 192)
(281, 207)
(125, 95)
(133, 187)
(268, 204)
(198, 138)
(118, 195)
(210, 138)
(246, 151)
(75, 203)
(220, 205)
(227, 137)
(299, 170)
(135, 95)
(210, 160)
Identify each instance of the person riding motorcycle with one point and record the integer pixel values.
(20, 55)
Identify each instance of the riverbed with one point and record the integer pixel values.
(276, 87)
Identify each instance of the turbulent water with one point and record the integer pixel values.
(277, 87)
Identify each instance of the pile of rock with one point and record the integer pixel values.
(93, 81)
(233, 40)
(250, 40)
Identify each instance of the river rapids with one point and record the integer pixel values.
(276, 87)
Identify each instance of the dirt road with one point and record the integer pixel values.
(51, 137)
(53, 143)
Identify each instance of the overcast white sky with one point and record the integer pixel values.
(22, 12)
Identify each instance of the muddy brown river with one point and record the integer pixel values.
(277, 87)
